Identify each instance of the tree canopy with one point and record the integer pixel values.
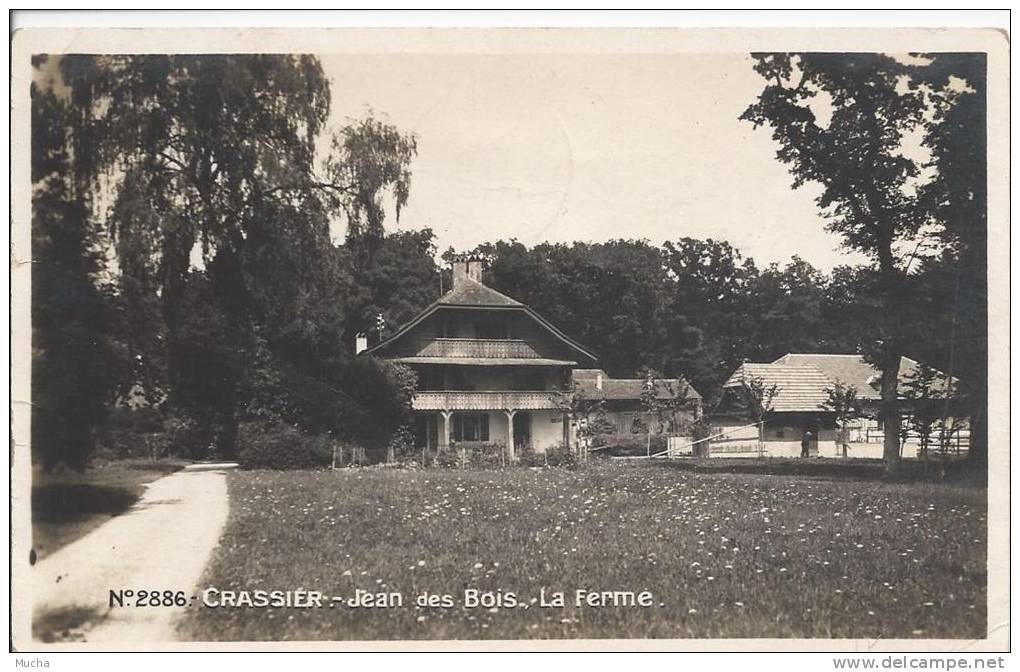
(844, 122)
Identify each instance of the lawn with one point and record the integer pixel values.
(723, 555)
(68, 505)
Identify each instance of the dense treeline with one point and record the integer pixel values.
(699, 308)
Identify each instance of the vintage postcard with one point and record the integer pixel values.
(510, 339)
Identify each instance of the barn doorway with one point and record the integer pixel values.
(814, 427)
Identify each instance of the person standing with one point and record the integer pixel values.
(805, 443)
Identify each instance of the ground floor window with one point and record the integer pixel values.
(471, 427)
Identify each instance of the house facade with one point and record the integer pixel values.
(622, 403)
(801, 380)
(490, 369)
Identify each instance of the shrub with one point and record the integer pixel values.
(486, 455)
(281, 446)
(554, 456)
(633, 444)
(144, 433)
(448, 458)
(701, 429)
(561, 456)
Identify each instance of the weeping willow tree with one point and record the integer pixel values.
(202, 171)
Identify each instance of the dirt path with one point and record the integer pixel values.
(162, 543)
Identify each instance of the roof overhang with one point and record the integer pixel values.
(522, 308)
(485, 361)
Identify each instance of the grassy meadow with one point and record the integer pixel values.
(723, 555)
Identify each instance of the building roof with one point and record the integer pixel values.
(469, 292)
(801, 386)
(620, 389)
(803, 378)
(851, 370)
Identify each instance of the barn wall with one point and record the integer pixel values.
(781, 438)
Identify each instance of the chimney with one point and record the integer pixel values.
(598, 381)
(360, 343)
(467, 266)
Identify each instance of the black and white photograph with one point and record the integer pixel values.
(522, 338)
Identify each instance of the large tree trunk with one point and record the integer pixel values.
(889, 358)
(890, 410)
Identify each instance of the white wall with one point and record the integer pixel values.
(781, 440)
(546, 430)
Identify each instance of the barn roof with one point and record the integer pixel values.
(851, 370)
(803, 378)
(801, 386)
(620, 389)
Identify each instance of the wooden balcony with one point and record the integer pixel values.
(476, 348)
(483, 401)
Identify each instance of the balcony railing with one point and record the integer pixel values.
(483, 401)
(476, 347)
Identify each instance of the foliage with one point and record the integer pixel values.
(756, 397)
(664, 399)
(396, 283)
(369, 157)
(561, 456)
(957, 197)
(586, 412)
(74, 358)
(631, 444)
(858, 157)
(374, 401)
(486, 455)
(233, 300)
(264, 446)
(929, 395)
(401, 445)
(607, 295)
(842, 400)
(701, 429)
(704, 308)
(130, 432)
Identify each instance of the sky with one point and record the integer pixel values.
(564, 147)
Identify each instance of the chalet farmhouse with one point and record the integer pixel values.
(801, 380)
(489, 368)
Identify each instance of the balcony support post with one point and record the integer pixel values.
(510, 448)
(444, 429)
